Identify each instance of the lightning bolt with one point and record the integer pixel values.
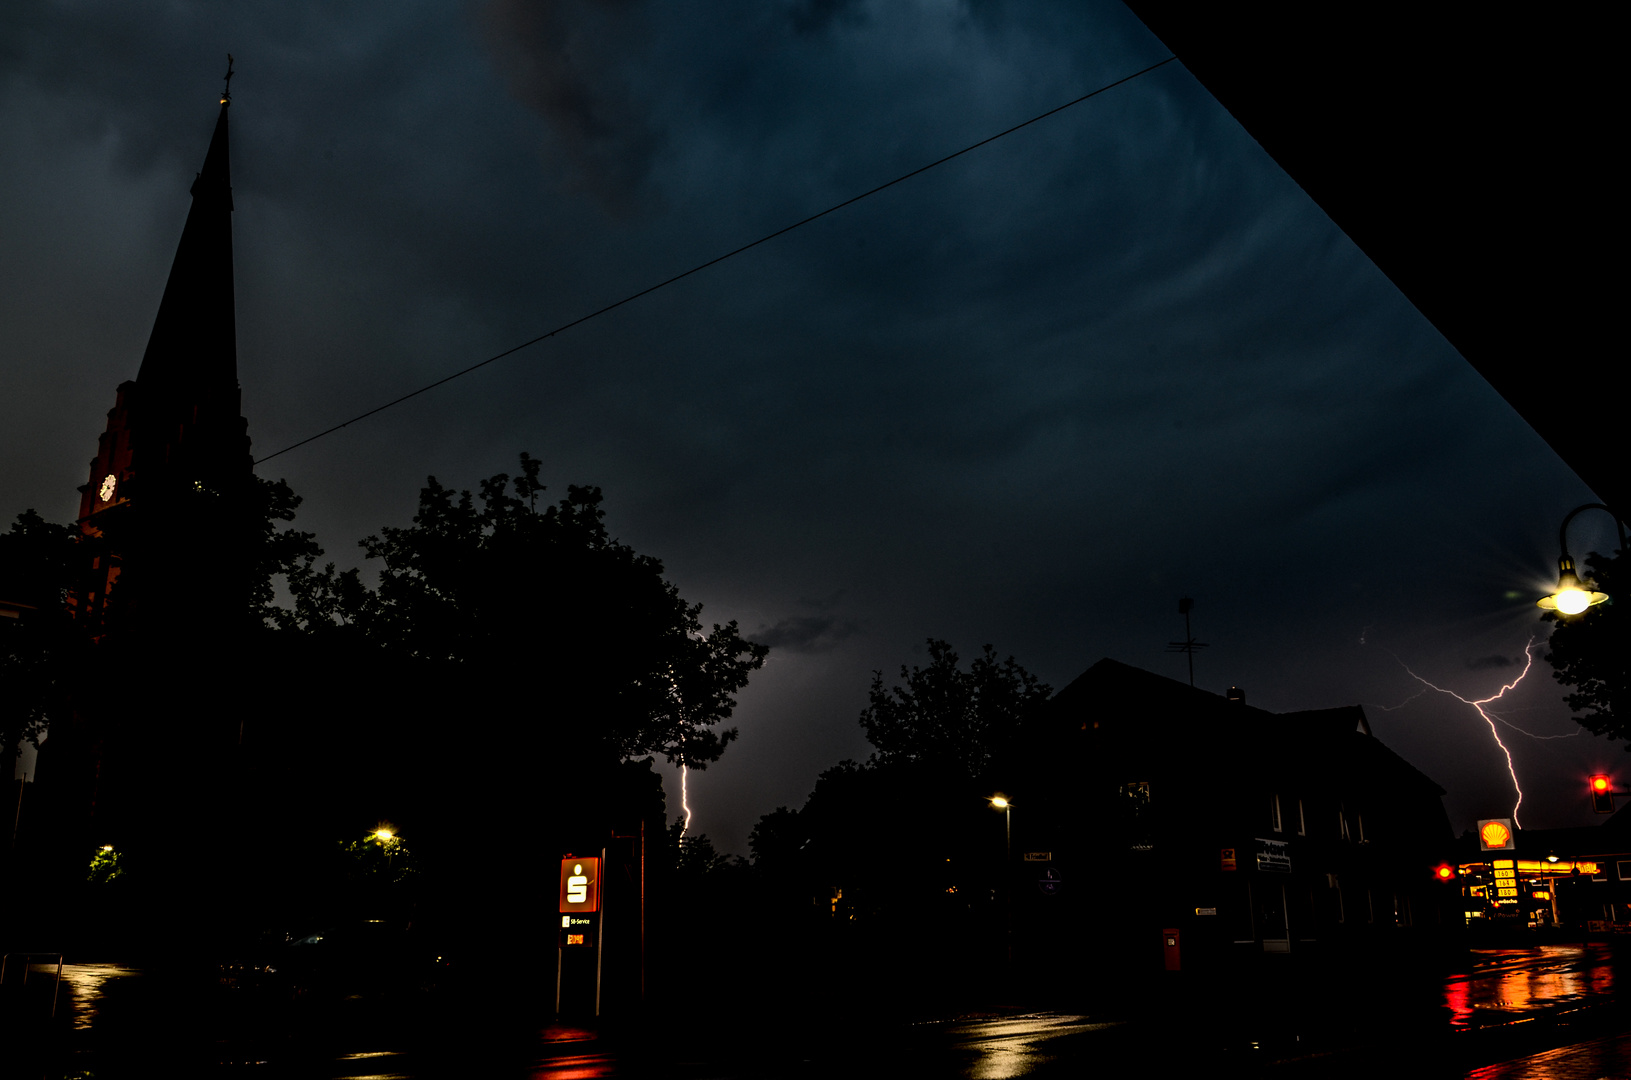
(1528, 662)
(685, 796)
(1531, 734)
(685, 770)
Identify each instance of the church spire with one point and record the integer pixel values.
(194, 341)
(170, 504)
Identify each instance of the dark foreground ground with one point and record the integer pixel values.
(1537, 1012)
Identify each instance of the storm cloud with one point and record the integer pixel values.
(1030, 397)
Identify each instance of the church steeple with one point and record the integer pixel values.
(194, 342)
(169, 504)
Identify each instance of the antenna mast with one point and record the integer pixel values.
(1189, 645)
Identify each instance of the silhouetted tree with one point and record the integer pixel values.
(775, 841)
(950, 717)
(586, 638)
(39, 646)
(277, 551)
(694, 859)
(1592, 653)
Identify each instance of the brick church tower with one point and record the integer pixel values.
(169, 504)
(149, 755)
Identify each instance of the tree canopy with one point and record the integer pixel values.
(950, 716)
(1592, 653)
(38, 643)
(510, 591)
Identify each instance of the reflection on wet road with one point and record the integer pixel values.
(1505, 986)
(85, 981)
(573, 1055)
(1606, 1058)
(1511, 1002)
(1011, 1046)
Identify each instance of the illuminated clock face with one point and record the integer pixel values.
(105, 492)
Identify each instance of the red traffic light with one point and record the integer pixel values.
(1600, 784)
(1444, 872)
(1602, 794)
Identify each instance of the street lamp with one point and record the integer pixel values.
(1572, 595)
(387, 839)
(1000, 802)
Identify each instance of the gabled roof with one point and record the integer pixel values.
(1140, 707)
(1113, 679)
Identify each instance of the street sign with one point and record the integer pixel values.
(580, 886)
(1229, 859)
(1049, 882)
(1206, 911)
(1039, 856)
(1495, 834)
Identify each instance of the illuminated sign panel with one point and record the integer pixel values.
(577, 930)
(1273, 856)
(1495, 834)
(580, 886)
(1506, 882)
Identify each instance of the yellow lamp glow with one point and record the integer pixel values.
(999, 802)
(1572, 596)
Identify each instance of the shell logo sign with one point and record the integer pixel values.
(1495, 834)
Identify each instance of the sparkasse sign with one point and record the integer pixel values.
(580, 886)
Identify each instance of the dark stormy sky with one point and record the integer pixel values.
(1028, 398)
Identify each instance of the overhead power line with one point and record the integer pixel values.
(713, 261)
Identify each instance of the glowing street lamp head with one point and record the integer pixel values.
(1572, 596)
(384, 835)
(998, 802)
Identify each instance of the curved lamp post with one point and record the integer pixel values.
(1574, 596)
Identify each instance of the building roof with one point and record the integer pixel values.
(1161, 715)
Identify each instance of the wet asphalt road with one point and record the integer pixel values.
(1514, 1014)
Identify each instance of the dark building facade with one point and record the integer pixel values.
(1169, 828)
